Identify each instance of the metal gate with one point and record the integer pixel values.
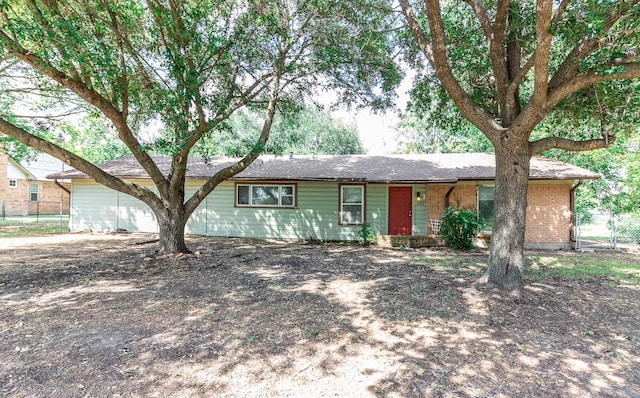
(599, 230)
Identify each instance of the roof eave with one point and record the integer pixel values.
(309, 179)
(566, 178)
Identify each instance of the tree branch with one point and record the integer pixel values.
(436, 52)
(542, 54)
(44, 22)
(586, 46)
(243, 163)
(494, 35)
(79, 163)
(536, 147)
(584, 80)
(483, 17)
(560, 12)
(94, 98)
(522, 73)
(124, 97)
(169, 49)
(416, 31)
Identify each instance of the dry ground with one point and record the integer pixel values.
(96, 316)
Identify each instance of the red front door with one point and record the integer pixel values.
(400, 210)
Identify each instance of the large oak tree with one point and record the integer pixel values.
(507, 65)
(186, 65)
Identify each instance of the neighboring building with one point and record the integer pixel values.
(25, 190)
(330, 197)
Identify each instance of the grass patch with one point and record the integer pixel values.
(570, 267)
(12, 229)
(582, 267)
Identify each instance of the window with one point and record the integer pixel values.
(13, 183)
(265, 195)
(34, 192)
(352, 204)
(485, 206)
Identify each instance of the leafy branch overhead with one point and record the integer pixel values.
(187, 66)
(511, 65)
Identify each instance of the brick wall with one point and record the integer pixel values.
(549, 214)
(435, 202)
(463, 196)
(17, 199)
(548, 211)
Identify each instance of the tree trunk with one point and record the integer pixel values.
(172, 224)
(506, 258)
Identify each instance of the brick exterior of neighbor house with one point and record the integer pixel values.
(15, 190)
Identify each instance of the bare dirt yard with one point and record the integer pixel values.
(102, 316)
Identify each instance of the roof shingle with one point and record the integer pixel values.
(427, 168)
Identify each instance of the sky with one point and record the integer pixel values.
(377, 131)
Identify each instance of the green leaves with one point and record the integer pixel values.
(301, 131)
(191, 64)
(433, 124)
(367, 234)
(459, 228)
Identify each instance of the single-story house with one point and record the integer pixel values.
(330, 197)
(25, 190)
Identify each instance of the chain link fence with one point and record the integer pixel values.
(21, 208)
(599, 230)
(626, 229)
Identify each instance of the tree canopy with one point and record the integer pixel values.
(302, 132)
(435, 125)
(187, 66)
(511, 66)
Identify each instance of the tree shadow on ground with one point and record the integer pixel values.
(254, 318)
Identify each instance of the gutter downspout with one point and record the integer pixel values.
(446, 196)
(61, 186)
(572, 206)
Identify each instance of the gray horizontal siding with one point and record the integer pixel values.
(419, 211)
(93, 207)
(315, 217)
(98, 208)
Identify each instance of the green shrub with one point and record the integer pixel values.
(367, 234)
(459, 228)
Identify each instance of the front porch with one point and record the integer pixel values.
(413, 241)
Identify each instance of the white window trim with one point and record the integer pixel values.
(14, 181)
(280, 195)
(31, 192)
(341, 220)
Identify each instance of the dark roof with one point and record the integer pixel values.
(389, 168)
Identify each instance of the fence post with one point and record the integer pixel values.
(61, 210)
(614, 237)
